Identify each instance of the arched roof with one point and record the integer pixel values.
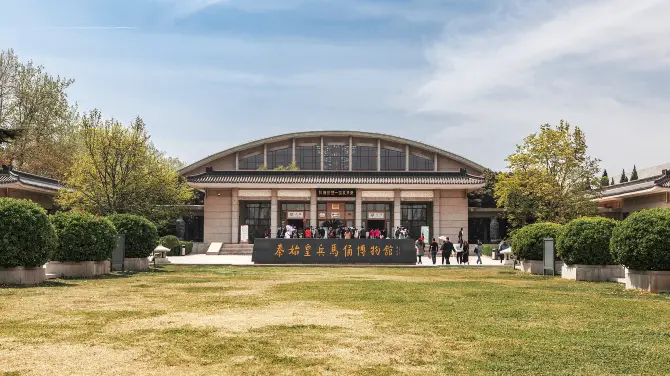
(337, 133)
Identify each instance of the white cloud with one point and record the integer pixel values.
(594, 63)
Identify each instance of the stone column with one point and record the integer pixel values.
(396, 210)
(293, 157)
(435, 162)
(436, 215)
(406, 157)
(313, 216)
(265, 155)
(235, 218)
(379, 155)
(359, 208)
(273, 214)
(237, 161)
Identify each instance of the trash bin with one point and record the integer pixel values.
(183, 250)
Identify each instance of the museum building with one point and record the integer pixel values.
(355, 179)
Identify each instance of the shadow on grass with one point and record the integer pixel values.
(50, 283)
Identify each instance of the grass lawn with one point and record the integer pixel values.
(332, 321)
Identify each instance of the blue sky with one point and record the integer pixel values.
(473, 77)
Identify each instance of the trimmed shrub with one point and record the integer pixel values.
(27, 237)
(141, 234)
(642, 241)
(170, 242)
(188, 247)
(83, 237)
(528, 242)
(586, 241)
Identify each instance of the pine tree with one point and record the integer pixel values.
(612, 183)
(624, 178)
(605, 180)
(633, 175)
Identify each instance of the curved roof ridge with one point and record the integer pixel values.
(286, 136)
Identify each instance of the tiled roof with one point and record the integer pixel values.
(9, 176)
(662, 181)
(335, 177)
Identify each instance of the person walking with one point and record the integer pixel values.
(433, 251)
(419, 251)
(478, 251)
(447, 249)
(460, 236)
(466, 253)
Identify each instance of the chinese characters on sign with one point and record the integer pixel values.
(335, 192)
(334, 251)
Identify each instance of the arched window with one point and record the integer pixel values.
(392, 160)
(365, 158)
(308, 157)
(281, 157)
(417, 163)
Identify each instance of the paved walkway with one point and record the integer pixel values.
(202, 259)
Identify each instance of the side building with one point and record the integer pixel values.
(651, 190)
(22, 185)
(355, 179)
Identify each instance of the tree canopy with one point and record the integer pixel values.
(484, 197)
(624, 178)
(550, 178)
(605, 181)
(118, 170)
(633, 175)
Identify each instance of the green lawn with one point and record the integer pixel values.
(332, 321)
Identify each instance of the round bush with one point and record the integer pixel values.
(642, 241)
(27, 237)
(528, 242)
(169, 241)
(586, 241)
(83, 237)
(141, 234)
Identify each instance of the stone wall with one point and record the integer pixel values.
(453, 213)
(218, 216)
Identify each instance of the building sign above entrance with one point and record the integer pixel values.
(375, 215)
(295, 215)
(336, 193)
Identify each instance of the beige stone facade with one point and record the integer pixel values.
(388, 181)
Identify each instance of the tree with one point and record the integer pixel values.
(605, 181)
(633, 175)
(118, 170)
(35, 113)
(612, 183)
(623, 178)
(484, 197)
(551, 178)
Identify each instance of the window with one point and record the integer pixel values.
(414, 216)
(257, 217)
(350, 207)
(251, 163)
(336, 157)
(308, 157)
(392, 160)
(365, 158)
(417, 163)
(321, 206)
(281, 157)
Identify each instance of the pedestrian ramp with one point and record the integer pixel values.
(214, 248)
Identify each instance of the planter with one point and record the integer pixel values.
(532, 267)
(85, 269)
(593, 273)
(22, 276)
(136, 264)
(559, 267)
(652, 281)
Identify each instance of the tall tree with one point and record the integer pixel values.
(35, 112)
(551, 178)
(633, 175)
(612, 183)
(484, 197)
(605, 181)
(118, 170)
(624, 178)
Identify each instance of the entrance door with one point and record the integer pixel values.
(296, 223)
(376, 225)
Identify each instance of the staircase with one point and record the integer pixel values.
(237, 249)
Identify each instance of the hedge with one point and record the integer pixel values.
(83, 237)
(27, 238)
(141, 234)
(642, 241)
(188, 247)
(586, 241)
(528, 242)
(169, 241)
